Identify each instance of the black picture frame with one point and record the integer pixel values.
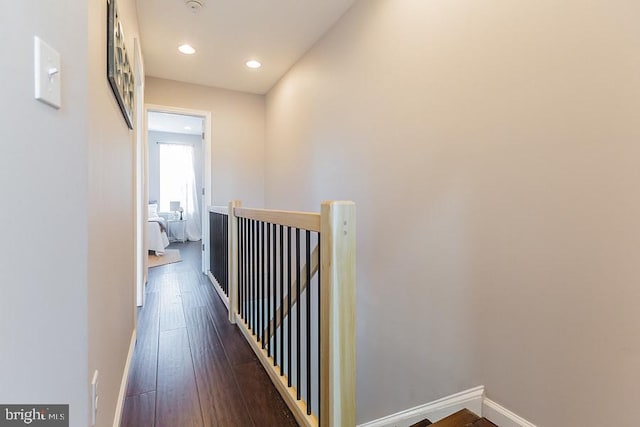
(119, 69)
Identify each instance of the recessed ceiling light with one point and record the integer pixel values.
(187, 128)
(187, 49)
(252, 63)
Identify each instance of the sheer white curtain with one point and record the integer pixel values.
(178, 182)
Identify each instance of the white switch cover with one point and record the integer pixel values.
(94, 397)
(47, 73)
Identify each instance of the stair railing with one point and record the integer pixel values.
(219, 251)
(291, 291)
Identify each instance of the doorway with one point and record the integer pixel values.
(178, 173)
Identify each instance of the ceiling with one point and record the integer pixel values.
(175, 123)
(227, 33)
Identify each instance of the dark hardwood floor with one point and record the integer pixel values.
(191, 367)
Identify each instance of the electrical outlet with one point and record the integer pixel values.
(94, 397)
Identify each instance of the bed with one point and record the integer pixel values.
(157, 239)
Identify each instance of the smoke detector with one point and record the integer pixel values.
(194, 5)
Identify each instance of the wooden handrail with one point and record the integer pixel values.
(302, 220)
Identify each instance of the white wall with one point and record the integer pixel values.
(154, 159)
(111, 279)
(492, 150)
(237, 142)
(66, 301)
(43, 188)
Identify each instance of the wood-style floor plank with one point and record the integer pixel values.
(189, 282)
(177, 402)
(268, 408)
(171, 312)
(142, 377)
(197, 298)
(191, 367)
(234, 342)
(221, 400)
(139, 410)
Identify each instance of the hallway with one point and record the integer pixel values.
(191, 367)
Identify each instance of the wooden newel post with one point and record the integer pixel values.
(337, 305)
(232, 228)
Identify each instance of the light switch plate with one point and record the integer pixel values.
(46, 73)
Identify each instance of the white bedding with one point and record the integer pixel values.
(157, 240)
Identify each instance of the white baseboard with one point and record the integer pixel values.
(502, 416)
(123, 384)
(471, 399)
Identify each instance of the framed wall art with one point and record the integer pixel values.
(119, 69)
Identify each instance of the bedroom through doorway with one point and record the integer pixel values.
(177, 183)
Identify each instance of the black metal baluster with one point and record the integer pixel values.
(272, 321)
(260, 279)
(247, 281)
(243, 242)
(248, 272)
(281, 301)
(225, 267)
(217, 258)
(255, 273)
(263, 247)
(268, 286)
(250, 268)
(244, 269)
(298, 334)
(223, 277)
(225, 253)
(256, 298)
(239, 272)
(246, 266)
(256, 267)
(219, 255)
(308, 338)
(289, 306)
(265, 267)
(254, 278)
